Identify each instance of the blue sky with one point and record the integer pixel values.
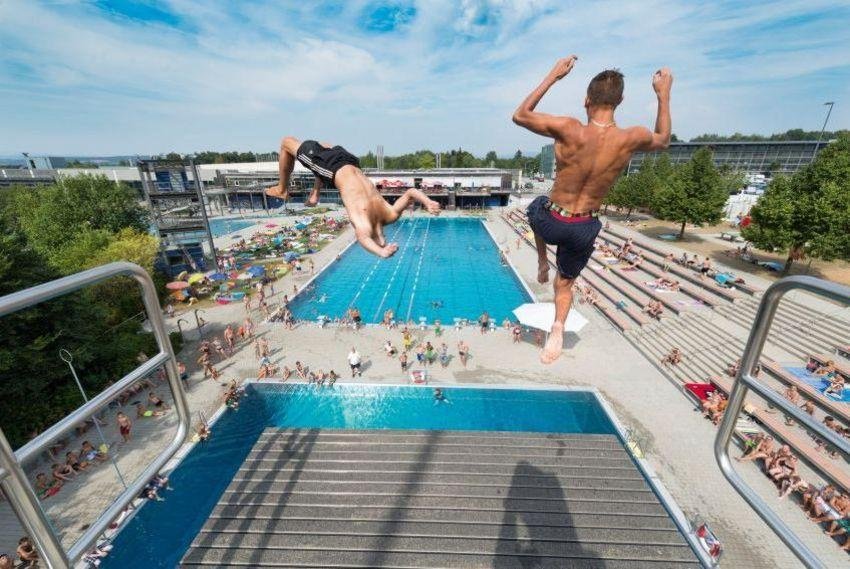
(121, 77)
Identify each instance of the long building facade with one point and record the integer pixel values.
(765, 157)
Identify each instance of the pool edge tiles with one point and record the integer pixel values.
(147, 552)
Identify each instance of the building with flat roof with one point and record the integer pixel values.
(763, 157)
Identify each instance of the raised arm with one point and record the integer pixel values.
(662, 81)
(542, 123)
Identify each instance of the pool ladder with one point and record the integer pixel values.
(13, 479)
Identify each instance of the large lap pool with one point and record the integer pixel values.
(445, 268)
(161, 532)
(219, 226)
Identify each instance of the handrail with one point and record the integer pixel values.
(745, 381)
(13, 479)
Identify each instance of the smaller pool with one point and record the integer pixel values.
(221, 227)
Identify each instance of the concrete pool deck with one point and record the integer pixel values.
(676, 440)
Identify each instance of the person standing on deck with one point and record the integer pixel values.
(589, 158)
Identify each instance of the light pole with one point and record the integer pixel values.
(200, 322)
(68, 358)
(829, 104)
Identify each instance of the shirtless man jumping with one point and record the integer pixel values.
(589, 158)
(335, 167)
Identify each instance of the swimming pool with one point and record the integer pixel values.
(220, 227)
(161, 532)
(445, 268)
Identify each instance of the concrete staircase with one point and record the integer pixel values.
(425, 499)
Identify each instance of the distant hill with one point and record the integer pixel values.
(793, 134)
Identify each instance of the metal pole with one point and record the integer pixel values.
(180, 328)
(198, 321)
(829, 104)
(199, 188)
(68, 358)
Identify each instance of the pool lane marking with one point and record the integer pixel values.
(418, 269)
(395, 272)
(372, 271)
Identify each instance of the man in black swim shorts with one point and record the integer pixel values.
(335, 167)
(589, 157)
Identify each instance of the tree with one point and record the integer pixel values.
(809, 213)
(697, 193)
(51, 216)
(491, 158)
(664, 170)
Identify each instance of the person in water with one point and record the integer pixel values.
(589, 158)
(335, 167)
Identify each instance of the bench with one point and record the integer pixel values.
(835, 408)
(650, 247)
(800, 442)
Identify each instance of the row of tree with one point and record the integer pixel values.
(788, 135)
(458, 158)
(52, 231)
(807, 214)
(694, 192)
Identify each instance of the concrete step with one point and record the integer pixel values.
(444, 500)
(237, 492)
(434, 499)
(526, 557)
(470, 530)
(598, 480)
(580, 515)
(381, 436)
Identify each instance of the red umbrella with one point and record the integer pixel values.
(177, 285)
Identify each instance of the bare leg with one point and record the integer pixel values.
(563, 301)
(313, 198)
(542, 259)
(415, 195)
(288, 149)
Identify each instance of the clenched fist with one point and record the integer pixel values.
(662, 80)
(563, 67)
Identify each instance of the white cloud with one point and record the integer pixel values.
(242, 75)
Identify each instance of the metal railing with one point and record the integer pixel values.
(13, 479)
(745, 381)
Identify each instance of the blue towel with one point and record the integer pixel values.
(817, 382)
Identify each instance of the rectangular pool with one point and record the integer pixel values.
(161, 532)
(445, 268)
(220, 227)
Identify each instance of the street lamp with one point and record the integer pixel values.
(829, 104)
(179, 328)
(200, 322)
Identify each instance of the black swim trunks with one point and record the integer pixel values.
(324, 162)
(574, 238)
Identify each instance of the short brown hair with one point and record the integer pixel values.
(606, 89)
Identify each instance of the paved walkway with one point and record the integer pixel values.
(677, 441)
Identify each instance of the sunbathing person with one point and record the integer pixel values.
(62, 472)
(794, 397)
(144, 412)
(27, 553)
(793, 483)
(827, 369)
(45, 487)
(672, 358)
(72, 460)
(836, 386)
(301, 371)
(590, 157)
(332, 377)
(716, 414)
(91, 454)
(763, 450)
(287, 373)
(335, 167)
(155, 400)
(654, 309)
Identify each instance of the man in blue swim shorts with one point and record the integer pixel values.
(589, 157)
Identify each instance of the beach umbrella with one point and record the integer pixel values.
(289, 256)
(244, 277)
(256, 270)
(182, 276)
(541, 315)
(196, 277)
(177, 285)
(217, 276)
(300, 226)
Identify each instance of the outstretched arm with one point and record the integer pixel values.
(367, 241)
(662, 81)
(541, 123)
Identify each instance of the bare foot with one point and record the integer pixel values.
(543, 273)
(554, 344)
(389, 250)
(277, 192)
(432, 207)
(313, 198)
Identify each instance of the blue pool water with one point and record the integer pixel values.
(444, 268)
(220, 227)
(161, 532)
